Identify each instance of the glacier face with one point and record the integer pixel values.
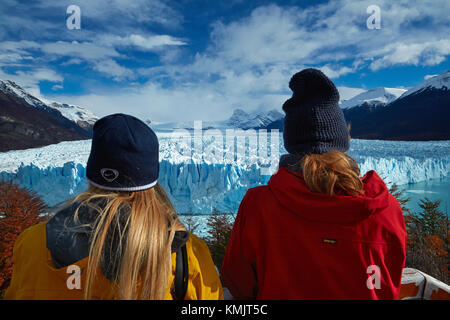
(197, 183)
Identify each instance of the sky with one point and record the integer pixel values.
(200, 60)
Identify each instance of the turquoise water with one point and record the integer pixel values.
(438, 189)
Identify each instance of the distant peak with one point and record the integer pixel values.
(239, 112)
(375, 96)
(440, 82)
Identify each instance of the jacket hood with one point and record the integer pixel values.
(290, 190)
(68, 240)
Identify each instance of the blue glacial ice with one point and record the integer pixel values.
(198, 183)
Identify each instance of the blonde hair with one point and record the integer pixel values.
(332, 172)
(145, 256)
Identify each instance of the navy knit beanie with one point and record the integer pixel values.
(314, 122)
(124, 154)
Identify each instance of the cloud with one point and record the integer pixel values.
(346, 93)
(152, 42)
(14, 52)
(332, 32)
(429, 76)
(142, 42)
(247, 62)
(425, 53)
(42, 19)
(30, 79)
(84, 50)
(111, 68)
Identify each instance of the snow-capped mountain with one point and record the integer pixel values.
(76, 114)
(240, 119)
(10, 88)
(81, 116)
(26, 121)
(243, 120)
(420, 113)
(439, 82)
(373, 97)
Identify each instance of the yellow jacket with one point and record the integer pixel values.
(35, 277)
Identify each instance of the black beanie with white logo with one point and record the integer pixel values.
(124, 154)
(314, 122)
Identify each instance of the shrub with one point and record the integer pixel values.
(428, 243)
(190, 223)
(20, 208)
(428, 239)
(220, 225)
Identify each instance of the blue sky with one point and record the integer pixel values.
(199, 60)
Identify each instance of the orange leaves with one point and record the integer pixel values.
(220, 225)
(20, 208)
(436, 246)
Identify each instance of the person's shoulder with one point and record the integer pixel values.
(259, 192)
(32, 232)
(196, 241)
(30, 238)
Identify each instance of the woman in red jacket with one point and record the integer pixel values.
(317, 230)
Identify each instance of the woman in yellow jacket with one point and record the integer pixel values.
(121, 239)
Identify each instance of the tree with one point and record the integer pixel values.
(190, 223)
(20, 208)
(220, 225)
(399, 195)
(428, 245)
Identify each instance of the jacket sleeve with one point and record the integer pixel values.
(239, 266)
(204, 279)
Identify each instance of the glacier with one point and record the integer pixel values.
(199, 183)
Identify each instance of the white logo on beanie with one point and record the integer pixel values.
(109, 174)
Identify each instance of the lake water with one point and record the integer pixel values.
(437, 189)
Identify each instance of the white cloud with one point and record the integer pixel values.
(152, 42)
(346, 93)
(248, 62)
(142, 42)
(332, 32)
(429, 76)
(332, 72)
(30, 79)
(427, 53)
(113, 69)
(79, 50)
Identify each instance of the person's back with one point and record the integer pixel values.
(316, 231)
(120, 239)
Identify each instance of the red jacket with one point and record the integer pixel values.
(290, 243)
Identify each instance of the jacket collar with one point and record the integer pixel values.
(68, 240)
(290, 190)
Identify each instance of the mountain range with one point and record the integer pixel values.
(240, 119)
(418, 114)
(28, 122)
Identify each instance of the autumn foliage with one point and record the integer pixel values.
(220, 226)
(20, 208)
(428, 242)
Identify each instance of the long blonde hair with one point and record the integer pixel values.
(332, 172)
(145, 255)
